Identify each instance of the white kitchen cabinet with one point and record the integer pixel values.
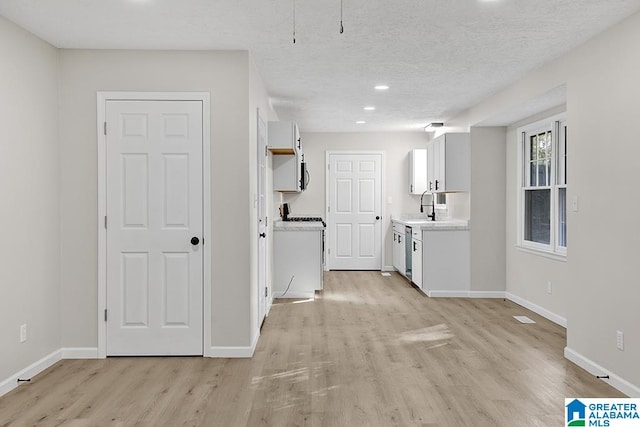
(416, 257)
(417, 171)
(287, 173)
(446, 263)
(284, 138)
(449, 163)
(297, 262)
(285, 144)
(399, 251)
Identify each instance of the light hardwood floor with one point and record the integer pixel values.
(369, 351)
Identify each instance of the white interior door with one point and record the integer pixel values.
(154, 261)
(262, 219)
(354, 211)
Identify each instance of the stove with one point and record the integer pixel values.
(305, 219)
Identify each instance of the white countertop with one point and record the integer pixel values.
(280, 225)
(426, 224)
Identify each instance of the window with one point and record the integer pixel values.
(543, 186)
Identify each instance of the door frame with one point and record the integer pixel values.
(102, 98)
(327, 186)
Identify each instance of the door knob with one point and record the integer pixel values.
(263, 235)
(195, 241)
(377, 218)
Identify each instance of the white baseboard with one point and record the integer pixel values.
(79, 352)
(30, 371)
(235, 352)
(296, 294)
(537, 309)
(388, 268)
(447, 294)
(486, 294)
(593, 368)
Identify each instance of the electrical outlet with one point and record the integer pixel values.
(620, 340)
(549, 288)
(23, 333)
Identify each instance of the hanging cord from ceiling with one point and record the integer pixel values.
(341, 26)
(294, 21)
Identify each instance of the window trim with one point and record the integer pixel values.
(552, 250)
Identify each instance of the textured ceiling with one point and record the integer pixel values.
(438, 56)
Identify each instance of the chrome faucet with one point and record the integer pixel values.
(432, 215)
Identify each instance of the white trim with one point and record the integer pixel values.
(593, 368)
(296, 294)
(204, 97)
(383, 197)
(447, 294)
(235, 352)
(388, 268)
(551, 255)
(464, 294)
(550, 123)
(486, 294)
(30, 371)
(79, 353)
(555, 318)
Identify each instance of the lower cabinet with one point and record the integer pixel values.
(446, 263)
(399, 262)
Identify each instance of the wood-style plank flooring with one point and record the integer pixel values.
(369, 351)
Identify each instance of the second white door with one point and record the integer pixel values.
(354, 211)
(154, 227)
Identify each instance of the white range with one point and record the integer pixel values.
(298, 257)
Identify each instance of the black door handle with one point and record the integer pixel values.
(377, 218)
(263, 235)
(195, 241)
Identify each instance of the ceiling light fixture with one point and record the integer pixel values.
(431, 127)
(369, 108)
(360, 122)
(381, 87)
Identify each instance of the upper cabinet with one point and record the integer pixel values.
(417, 171)
(284, 138)
(289, 169)
(449, 163)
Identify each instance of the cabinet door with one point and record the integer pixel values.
(417, 171)
(399, 253)
(416, 259)
(439, 164)
(430, 167)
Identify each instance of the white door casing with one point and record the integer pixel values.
(152, 186)
(354, 210)
(262, 217)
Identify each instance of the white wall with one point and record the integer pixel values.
(226, 76)
(258, 100)
(396, 147)
(29, 189)
(598, 291)
(487, 209)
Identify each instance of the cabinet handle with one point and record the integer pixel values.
(399, 239)
(394, 237)
(430, 185)
(437, 185)
(411, 188)
(414, 247)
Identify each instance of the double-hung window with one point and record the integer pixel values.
(543, 186)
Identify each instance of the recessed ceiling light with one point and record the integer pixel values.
(360, 122)
(369, 108)
(381, 87)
